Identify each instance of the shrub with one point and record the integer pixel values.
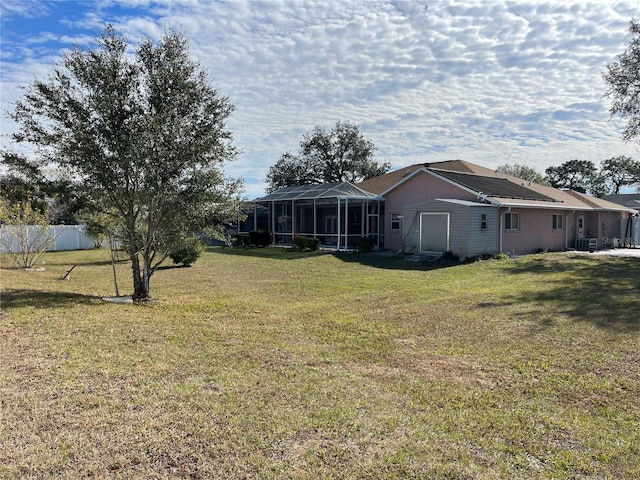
(306, 243)
(187, 252)
(366, 244)
(243, 240)
(260, 238)
(449, 255)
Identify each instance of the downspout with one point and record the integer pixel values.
(566, 229)
(501, 217)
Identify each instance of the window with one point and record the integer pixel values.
(511, 221)
(483, 221)
(557, 222)
(395, 221)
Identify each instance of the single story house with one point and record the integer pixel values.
(452, 206)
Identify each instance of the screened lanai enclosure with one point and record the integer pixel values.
(339, 214)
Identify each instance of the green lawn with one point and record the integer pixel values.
(274, 364)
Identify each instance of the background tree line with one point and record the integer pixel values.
(583, 175)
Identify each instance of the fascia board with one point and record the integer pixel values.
(561, 206)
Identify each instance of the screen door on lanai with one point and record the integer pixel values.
(434, 232)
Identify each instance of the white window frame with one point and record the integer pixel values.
(557, 222)
(395, 219)
(484, 222)
(510, 222)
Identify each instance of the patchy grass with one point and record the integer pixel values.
(275, 364)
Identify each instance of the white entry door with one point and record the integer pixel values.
(580, 226)
(434, 232)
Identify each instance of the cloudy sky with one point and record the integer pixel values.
(491, 82)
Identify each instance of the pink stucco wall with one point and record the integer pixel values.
(535, 231)
(536, 226)
(419, 188)
(604, 226)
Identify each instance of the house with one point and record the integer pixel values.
(445, 206)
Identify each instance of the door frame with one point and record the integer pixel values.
(447, 232)
(580, 226)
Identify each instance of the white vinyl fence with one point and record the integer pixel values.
(65, 237)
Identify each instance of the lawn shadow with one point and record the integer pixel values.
(172, 267)
(396, 262)
(275, 253)
(85, 259)
(601, 291)
(373, 259)
(16, 298)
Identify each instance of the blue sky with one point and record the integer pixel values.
(490, 82)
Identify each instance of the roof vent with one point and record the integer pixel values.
(408, 172)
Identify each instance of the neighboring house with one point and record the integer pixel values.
(449, 206)
(631, 236)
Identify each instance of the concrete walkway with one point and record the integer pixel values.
(617, 252)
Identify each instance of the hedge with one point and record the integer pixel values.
(306, 243)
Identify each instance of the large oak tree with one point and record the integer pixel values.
(340, 154)
(578, 175)
(623, 80)
(619, 172)
(143, 131)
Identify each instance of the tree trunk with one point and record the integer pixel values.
(140, 280)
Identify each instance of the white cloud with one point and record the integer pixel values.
(490, 82)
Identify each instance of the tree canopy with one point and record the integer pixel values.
(144, 134)
(336, 155)
(623, 80)
(583, 175)
(618, 172)
(24, 182)
(575, 175)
